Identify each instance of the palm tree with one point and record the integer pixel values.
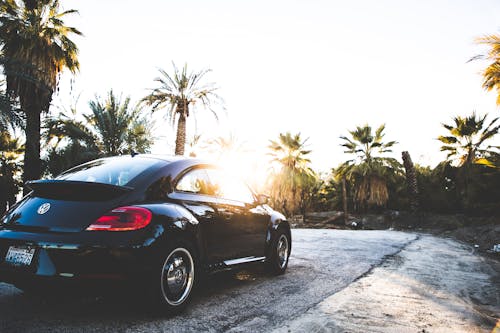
(366, 171)
(68, 141)
(179, 93)
(118, 128)
(491, 74)
(34, 35)
(289, 151)
(112, 127)
(466, 138)
(139, 137)
(466, 148)
(290, 182)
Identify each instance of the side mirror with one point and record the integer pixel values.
(262, 199)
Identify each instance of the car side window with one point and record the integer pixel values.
(197, 182)
(230, 187)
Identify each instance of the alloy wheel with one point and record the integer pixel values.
(177, 276)
(282, 251)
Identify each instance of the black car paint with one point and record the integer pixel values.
(72, 253)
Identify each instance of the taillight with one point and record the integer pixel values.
(122, 219)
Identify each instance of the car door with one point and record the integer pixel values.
(194, 191)
(240, 227)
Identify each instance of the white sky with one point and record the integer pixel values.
(310, 66)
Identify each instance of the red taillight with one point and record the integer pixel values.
(122, 219)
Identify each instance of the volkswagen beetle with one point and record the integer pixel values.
(160, 223)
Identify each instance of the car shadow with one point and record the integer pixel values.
(115, 303)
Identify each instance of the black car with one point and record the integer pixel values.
(158, 222)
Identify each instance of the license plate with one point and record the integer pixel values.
(19, 256)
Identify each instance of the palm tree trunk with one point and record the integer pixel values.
(344, 200)
(180, 141)
(303, 204)
(32, 163)
(465, 190)
(411, 181)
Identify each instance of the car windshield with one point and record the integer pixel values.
(114, 171)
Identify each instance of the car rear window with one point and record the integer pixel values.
(115, 171)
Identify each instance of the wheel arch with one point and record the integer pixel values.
(278, 222)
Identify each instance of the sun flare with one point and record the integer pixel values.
(251, 167)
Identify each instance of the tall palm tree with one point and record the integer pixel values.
(290, 181)
(34, 37)
(179, 93)
(491, 74)
(112, 127)
(368, 171)
(466, 137)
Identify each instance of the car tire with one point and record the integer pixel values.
(175, 276)
(279, 253)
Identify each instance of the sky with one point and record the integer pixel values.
(316, 67)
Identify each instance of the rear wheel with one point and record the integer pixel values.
(176, 277)
(277, 260)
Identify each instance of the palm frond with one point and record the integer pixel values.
(465, 139)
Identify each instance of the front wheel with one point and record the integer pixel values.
(277, 260)
(177, 277)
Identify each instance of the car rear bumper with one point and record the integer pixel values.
(63, 261)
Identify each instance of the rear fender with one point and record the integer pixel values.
(171, 220)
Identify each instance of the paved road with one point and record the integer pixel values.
(323, 263)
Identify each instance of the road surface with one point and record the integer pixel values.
(337, 281)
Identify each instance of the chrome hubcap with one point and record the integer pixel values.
(177, 276)
(282, 250)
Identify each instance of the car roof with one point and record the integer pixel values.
(177, 159)
(173, 166)
(163, 157)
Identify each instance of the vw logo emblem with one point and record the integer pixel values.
(44, 208)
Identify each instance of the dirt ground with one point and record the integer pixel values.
(483, 233)
(431, 285)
